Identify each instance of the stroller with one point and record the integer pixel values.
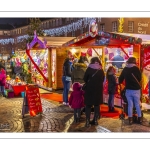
(124, 104)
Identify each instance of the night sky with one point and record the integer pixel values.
(12, 20)
(16, 20)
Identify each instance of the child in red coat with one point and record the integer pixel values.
(76, 101)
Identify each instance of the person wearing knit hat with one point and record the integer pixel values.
(132, 76)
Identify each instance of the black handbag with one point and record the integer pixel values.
(85, 84)
(123, 96)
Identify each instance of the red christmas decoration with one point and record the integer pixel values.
(89, 52)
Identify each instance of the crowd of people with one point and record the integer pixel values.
(92, 74)
(10, 68)
(82, 72)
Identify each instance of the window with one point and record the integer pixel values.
(102, 27)
(114, 26)
(67, 20)
(45, 25)
(71, 20)
(81, 30)
(57, 22)
(53, 23)
(73, 33)
(60, 22)
(66, 34)
(2, 49)
(130, 26)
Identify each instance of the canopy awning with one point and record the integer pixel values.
(104, 38)
(55, 41)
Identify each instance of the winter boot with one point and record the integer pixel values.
(94, 121)
(130, 120)
(140, 119)
(87, 124)
(112, 109)
(109, 109)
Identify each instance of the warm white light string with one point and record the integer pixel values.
(53, 32)
(69, 28)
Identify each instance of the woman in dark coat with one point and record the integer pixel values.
(94, 89)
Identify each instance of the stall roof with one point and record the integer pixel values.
(55, 41)
(105, 38)
(145, 37)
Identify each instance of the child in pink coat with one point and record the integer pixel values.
(76, 101)
(2, 81)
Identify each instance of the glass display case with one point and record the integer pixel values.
(40, 57)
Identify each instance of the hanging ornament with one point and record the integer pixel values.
(89, 51)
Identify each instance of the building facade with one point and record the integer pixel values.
(13, 39)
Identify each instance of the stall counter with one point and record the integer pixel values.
(17, 89)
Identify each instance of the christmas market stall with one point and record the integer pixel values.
(46, 58)
(38, 54)
(145, 67)
(112, 49)
(16, 79)
(57, 55)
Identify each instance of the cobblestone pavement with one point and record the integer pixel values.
(55, 117)
(58, 118)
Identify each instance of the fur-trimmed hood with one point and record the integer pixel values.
(80, 65)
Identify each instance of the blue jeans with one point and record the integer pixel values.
(111, 100)
(66, 85)
(2, 89)
(133, 98)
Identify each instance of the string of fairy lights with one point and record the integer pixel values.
(74, 26)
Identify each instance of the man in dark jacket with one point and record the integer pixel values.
(132, 76)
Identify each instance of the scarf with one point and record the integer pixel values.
(95, 66)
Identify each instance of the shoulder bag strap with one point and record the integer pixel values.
(136, 79)
(94, 74)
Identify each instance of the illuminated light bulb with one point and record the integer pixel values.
(73, 51)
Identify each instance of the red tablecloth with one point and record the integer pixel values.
(16, 88)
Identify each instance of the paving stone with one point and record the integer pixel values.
(58, 118)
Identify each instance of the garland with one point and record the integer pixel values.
(69, 28)
(52, 32)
